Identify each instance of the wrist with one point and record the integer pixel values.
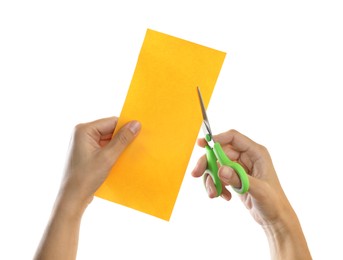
(286, 238)
(70, 205)
(282, 224)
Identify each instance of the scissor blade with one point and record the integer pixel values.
(205, 125)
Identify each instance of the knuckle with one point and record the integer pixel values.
(262, 149)
(233, 131)
(80, 129)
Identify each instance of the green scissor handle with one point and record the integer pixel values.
(212, 169)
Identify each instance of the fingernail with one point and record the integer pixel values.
(209, 189)
(134, 127)
(225, 197)
(226, 174)
(196, 167)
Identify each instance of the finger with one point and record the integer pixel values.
(210, 187)
(104, 126)
(231, 152)
(249, 151)
(238, 141)
(229, 177)
(226, 194)
(202, 142)
(121, 140)
(200, 167)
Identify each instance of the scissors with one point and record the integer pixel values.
(215, 153)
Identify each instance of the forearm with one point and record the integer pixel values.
(60, 239)
(286, 239)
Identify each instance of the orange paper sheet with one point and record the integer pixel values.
(163, 97)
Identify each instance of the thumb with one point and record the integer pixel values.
(229, 177)
(121, 140)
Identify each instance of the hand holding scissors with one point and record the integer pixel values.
(215, 154)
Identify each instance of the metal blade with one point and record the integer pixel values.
(205, 125)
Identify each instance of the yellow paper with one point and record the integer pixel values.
(163, 97)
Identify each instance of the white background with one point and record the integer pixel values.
(66, 62)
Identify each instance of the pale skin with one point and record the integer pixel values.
(265, 200)
(93, 153)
